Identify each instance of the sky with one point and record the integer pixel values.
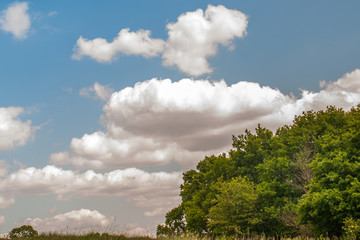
(103, 106)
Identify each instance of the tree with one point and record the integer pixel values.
(304, 179)
(25, 231)
(334, 193)
(234, 212)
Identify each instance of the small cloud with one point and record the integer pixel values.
(13, 131)
(16, 20)
(53, 13)
(97, 91)
(160, 211)
(138, 43)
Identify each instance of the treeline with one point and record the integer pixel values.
(302, 180)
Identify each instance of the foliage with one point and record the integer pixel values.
(301, 180)
(234, 212)
(25, 231)
(351, 228)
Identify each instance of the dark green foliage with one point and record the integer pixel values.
(25, 231)
(302, 180)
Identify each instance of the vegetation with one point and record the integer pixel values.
(58, 236)
(301, 181)
(24, 231)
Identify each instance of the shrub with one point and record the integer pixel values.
(25, 231)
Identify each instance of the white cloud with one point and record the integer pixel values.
(14, 132)
(350, 82)
(2, 220)
(16, 20)
(160, 211)
(192, 39)
(196, 35)
(139, 187)
(97, 91)
(138, 43)
(77, 221)
(160, 121)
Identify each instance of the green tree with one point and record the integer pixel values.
(305, 178)
(25, 231)
(235, 210)
(334, 193)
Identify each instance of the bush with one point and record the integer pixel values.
(25, 231)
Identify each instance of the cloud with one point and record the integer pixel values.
(139, 187)
(160, 121)
(16, 20)
(14, 132)
(52, 13)
(196, 35)
(138, 43)
(83, 220)
(2, 220)
(160, 211)
(191, 40)
(97, 91)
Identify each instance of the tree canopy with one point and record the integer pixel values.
(301, 180)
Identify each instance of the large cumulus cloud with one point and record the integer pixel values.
(196, 35)
(160, 121)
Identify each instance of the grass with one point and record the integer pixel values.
(105, 236)
(89, 236)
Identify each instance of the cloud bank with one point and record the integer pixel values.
(83, 220)
(16, 20)
(141, 188)
(160, 121)
(191, 40)
(14, 132)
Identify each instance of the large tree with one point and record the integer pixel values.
(304, 179)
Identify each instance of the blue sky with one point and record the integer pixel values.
(80, 133)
